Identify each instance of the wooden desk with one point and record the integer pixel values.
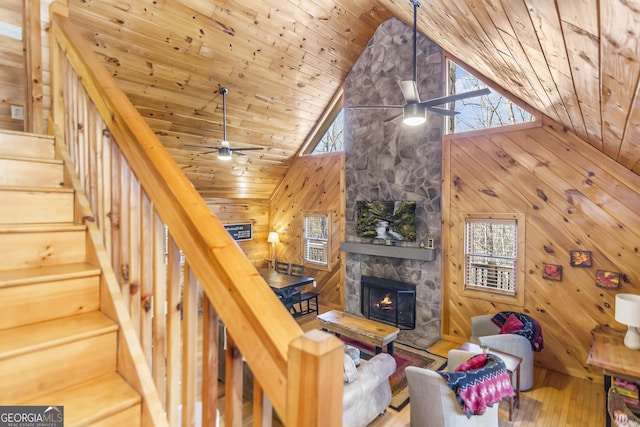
(287, 287)
(283, 283)
(609, 353)
(359, 328)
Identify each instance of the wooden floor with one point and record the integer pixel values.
(555, 399)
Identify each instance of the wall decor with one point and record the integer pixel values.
(607, 279)
(240, 231)
(580, 258)
(552, 272)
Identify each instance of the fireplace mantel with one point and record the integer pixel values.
(419, 254)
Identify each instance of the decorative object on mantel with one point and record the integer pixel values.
(607, 279)
(627, 312)
(552, 272)
(273, 238)
(580, 258)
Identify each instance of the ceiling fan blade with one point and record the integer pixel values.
(442, 111)
(409, 90)
(201, 146)
(392, 118)
(456, 97)
(247, 149)
(364, 107)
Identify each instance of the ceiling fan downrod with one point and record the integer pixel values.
(416, 4)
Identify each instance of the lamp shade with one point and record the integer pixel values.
(628, 309)
(273, 237)
(414, 114)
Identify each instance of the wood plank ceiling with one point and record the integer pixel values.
(576, 61)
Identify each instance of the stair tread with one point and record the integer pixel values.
(28, 338)
(31, 159)
(24, 276)
(90, 401)
(37, 189)
(34, 228)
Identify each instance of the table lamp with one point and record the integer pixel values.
(628, 313)
(273, 238)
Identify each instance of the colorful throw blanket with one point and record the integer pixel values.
(478, 388)
(531, 329)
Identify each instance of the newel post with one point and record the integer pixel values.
(314, 395)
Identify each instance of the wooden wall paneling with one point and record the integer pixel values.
(546, 22)
(12, 80)
(574, 197)
(12, 77)
(32, 38)
(581, 34)
(538, 231)
(253, 211)
(313, 183)
(619, 71)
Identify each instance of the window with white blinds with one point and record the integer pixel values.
(316, 239)
(491, 254)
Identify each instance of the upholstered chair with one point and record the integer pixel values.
(433, 402)
(485, 332)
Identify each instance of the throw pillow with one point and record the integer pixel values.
(475, 362)
(512, 324)
(350, 370)
(353, 352)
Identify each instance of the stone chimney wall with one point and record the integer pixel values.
(392, 161)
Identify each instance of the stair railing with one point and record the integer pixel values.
(164, 243)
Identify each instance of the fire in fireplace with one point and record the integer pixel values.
(388, 301)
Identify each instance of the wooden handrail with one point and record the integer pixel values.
(272, 343)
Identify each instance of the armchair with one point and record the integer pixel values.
(485, 332)
(433, 402)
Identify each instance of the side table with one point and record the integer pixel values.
(616, 360)
(512, 362)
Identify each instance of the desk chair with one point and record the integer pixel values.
(282, 267)
(296, 270)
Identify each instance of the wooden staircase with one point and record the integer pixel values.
(56, 347)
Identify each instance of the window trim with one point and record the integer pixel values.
(494, 295)
(312, 264)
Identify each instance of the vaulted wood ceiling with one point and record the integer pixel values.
(577, 61)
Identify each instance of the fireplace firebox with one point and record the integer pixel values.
(388, 301)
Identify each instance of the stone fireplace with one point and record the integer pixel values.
(386, 160)
(388, 301)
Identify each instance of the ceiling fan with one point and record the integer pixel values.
(224, 151)
(414, 111)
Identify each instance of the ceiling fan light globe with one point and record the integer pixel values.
(414, 114)
(224, 153)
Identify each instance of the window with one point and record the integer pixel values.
(333, 138)
(494, 256)
(482, 112)
(316, 239)
(328, 134)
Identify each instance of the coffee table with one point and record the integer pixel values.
(359, 328)
(512, 363)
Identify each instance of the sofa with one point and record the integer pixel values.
(367, 391)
